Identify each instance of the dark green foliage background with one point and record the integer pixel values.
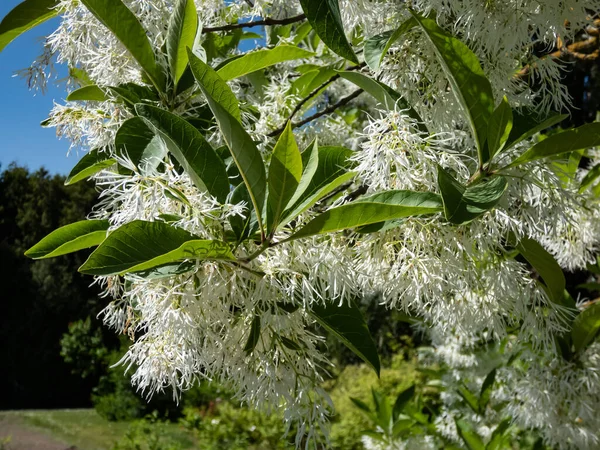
(40, 298)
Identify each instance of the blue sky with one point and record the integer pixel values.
(22, 139)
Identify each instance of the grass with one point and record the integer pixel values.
(86, 430)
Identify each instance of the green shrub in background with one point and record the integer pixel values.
(357, 381)
(114, 398)
(84, 349)
(153, 434)
(227, 426)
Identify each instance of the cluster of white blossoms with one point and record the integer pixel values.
(458, 279)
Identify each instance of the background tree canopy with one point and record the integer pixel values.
(40, 298)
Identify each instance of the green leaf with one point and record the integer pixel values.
(585, 327)
(139, 245)
(189, 147)
(88, 93)
(470, 398)
(259, 81)
(499, 435)
(80, 76)
(546, 266)
(301, 32)
(310, 81)
(565, 166)
(138, 142)
(126, 27)
(377, 208)
(132, 93)
(254, 335)
(591, 287)
(385, 95)
(469, 436)
(526, 125)
(285, 172)
(292, 345)
(469, 84)
(310, 164)
(214, 86)
(325, 169)
(90, 164)
(403, 398)
(25, 16)
(259, 59)
(181, 34)
(244, 151)
(383, 410)
(486, 390)
(347, 323)
(69, 239)
(402, 426)
(170, 218)
(499, 128)
(325, 18)
(589, 178)
(580, 138)
(167, 270)
(377, 46)
(360, 404)
(462, 204)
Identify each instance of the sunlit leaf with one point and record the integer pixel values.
(69, 239)
(376, 208)
(92, 163)
(285, 172)
(88, 93)
(181, 34)
(325, 18)
(589, 178)
(25, 16)
(377, 46)
(469, 435)
(126, 27)
(528, 123)
(325, 169)
(580, 138)
(136, 141)
(259, 59)
(139, 245)
(469, 84)
(499, 127)
(464, 203)
(243, 150)
(189, 147)
(214, 86)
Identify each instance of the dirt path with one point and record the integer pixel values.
(25, 437)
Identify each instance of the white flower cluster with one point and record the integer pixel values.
(459, 279)
(560, 398)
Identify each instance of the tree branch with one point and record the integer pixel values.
(583, 50)
(326, 111)
(322, 86)
(267, 21)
